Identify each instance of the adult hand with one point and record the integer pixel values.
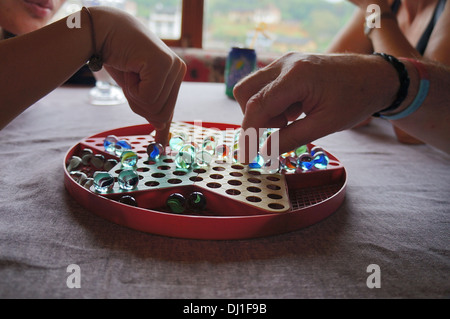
(335, 92)
(149, 73)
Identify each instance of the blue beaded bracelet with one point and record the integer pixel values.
(424, 87)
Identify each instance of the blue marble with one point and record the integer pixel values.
(257, 163)
(305, 162)
(316, 149)
(154, 151)
(128, 179)
(320, 160)
(122, 146)
(109, 143)
(103, 182)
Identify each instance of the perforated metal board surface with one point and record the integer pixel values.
(232, 190)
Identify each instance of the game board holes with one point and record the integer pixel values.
(118, 171)
(158, 175)
(149, 162)
(152, 183)
(141, 177)
(333, 163)
(237, 166)
(233, 192)
(234, 182)
(136, 142)
(164, 167)
(274, 196)
(273, 178)
(273, 187)
(200, 170)
(140, 138)
(219, 168)
(216, 176)
(254, 189)
(99, 144)
(253, 199)
(236, 174)
(143, 169)
(195, 179)
(254, 172)
(275, 206)
(168, 160)
(254, 180)
(179, 173)
(90, 141)
(213, 185)
(174, 181)
(142, 152)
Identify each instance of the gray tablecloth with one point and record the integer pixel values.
(395, 215)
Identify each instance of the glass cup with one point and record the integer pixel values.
(106, 90)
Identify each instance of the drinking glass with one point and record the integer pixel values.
(106, 90)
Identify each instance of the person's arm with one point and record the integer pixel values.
(351, 39)
(430, 123)
(390, 39)
(34, 64)
(438, 48)
(335, 92)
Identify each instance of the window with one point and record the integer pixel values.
(266, 25)
(177, 22)
(274, 26)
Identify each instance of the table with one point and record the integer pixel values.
(395, 215)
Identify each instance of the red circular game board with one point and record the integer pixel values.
(241, 203)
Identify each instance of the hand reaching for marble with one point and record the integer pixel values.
(147, 70)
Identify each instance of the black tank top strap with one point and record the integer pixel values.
(423, 41)
(395, 6)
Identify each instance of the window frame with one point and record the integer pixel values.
(191, 26)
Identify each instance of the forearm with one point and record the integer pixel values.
(431, 122)
(36, 63)
(390, 39)
(351, 38)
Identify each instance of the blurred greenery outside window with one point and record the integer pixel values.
(269, 26)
